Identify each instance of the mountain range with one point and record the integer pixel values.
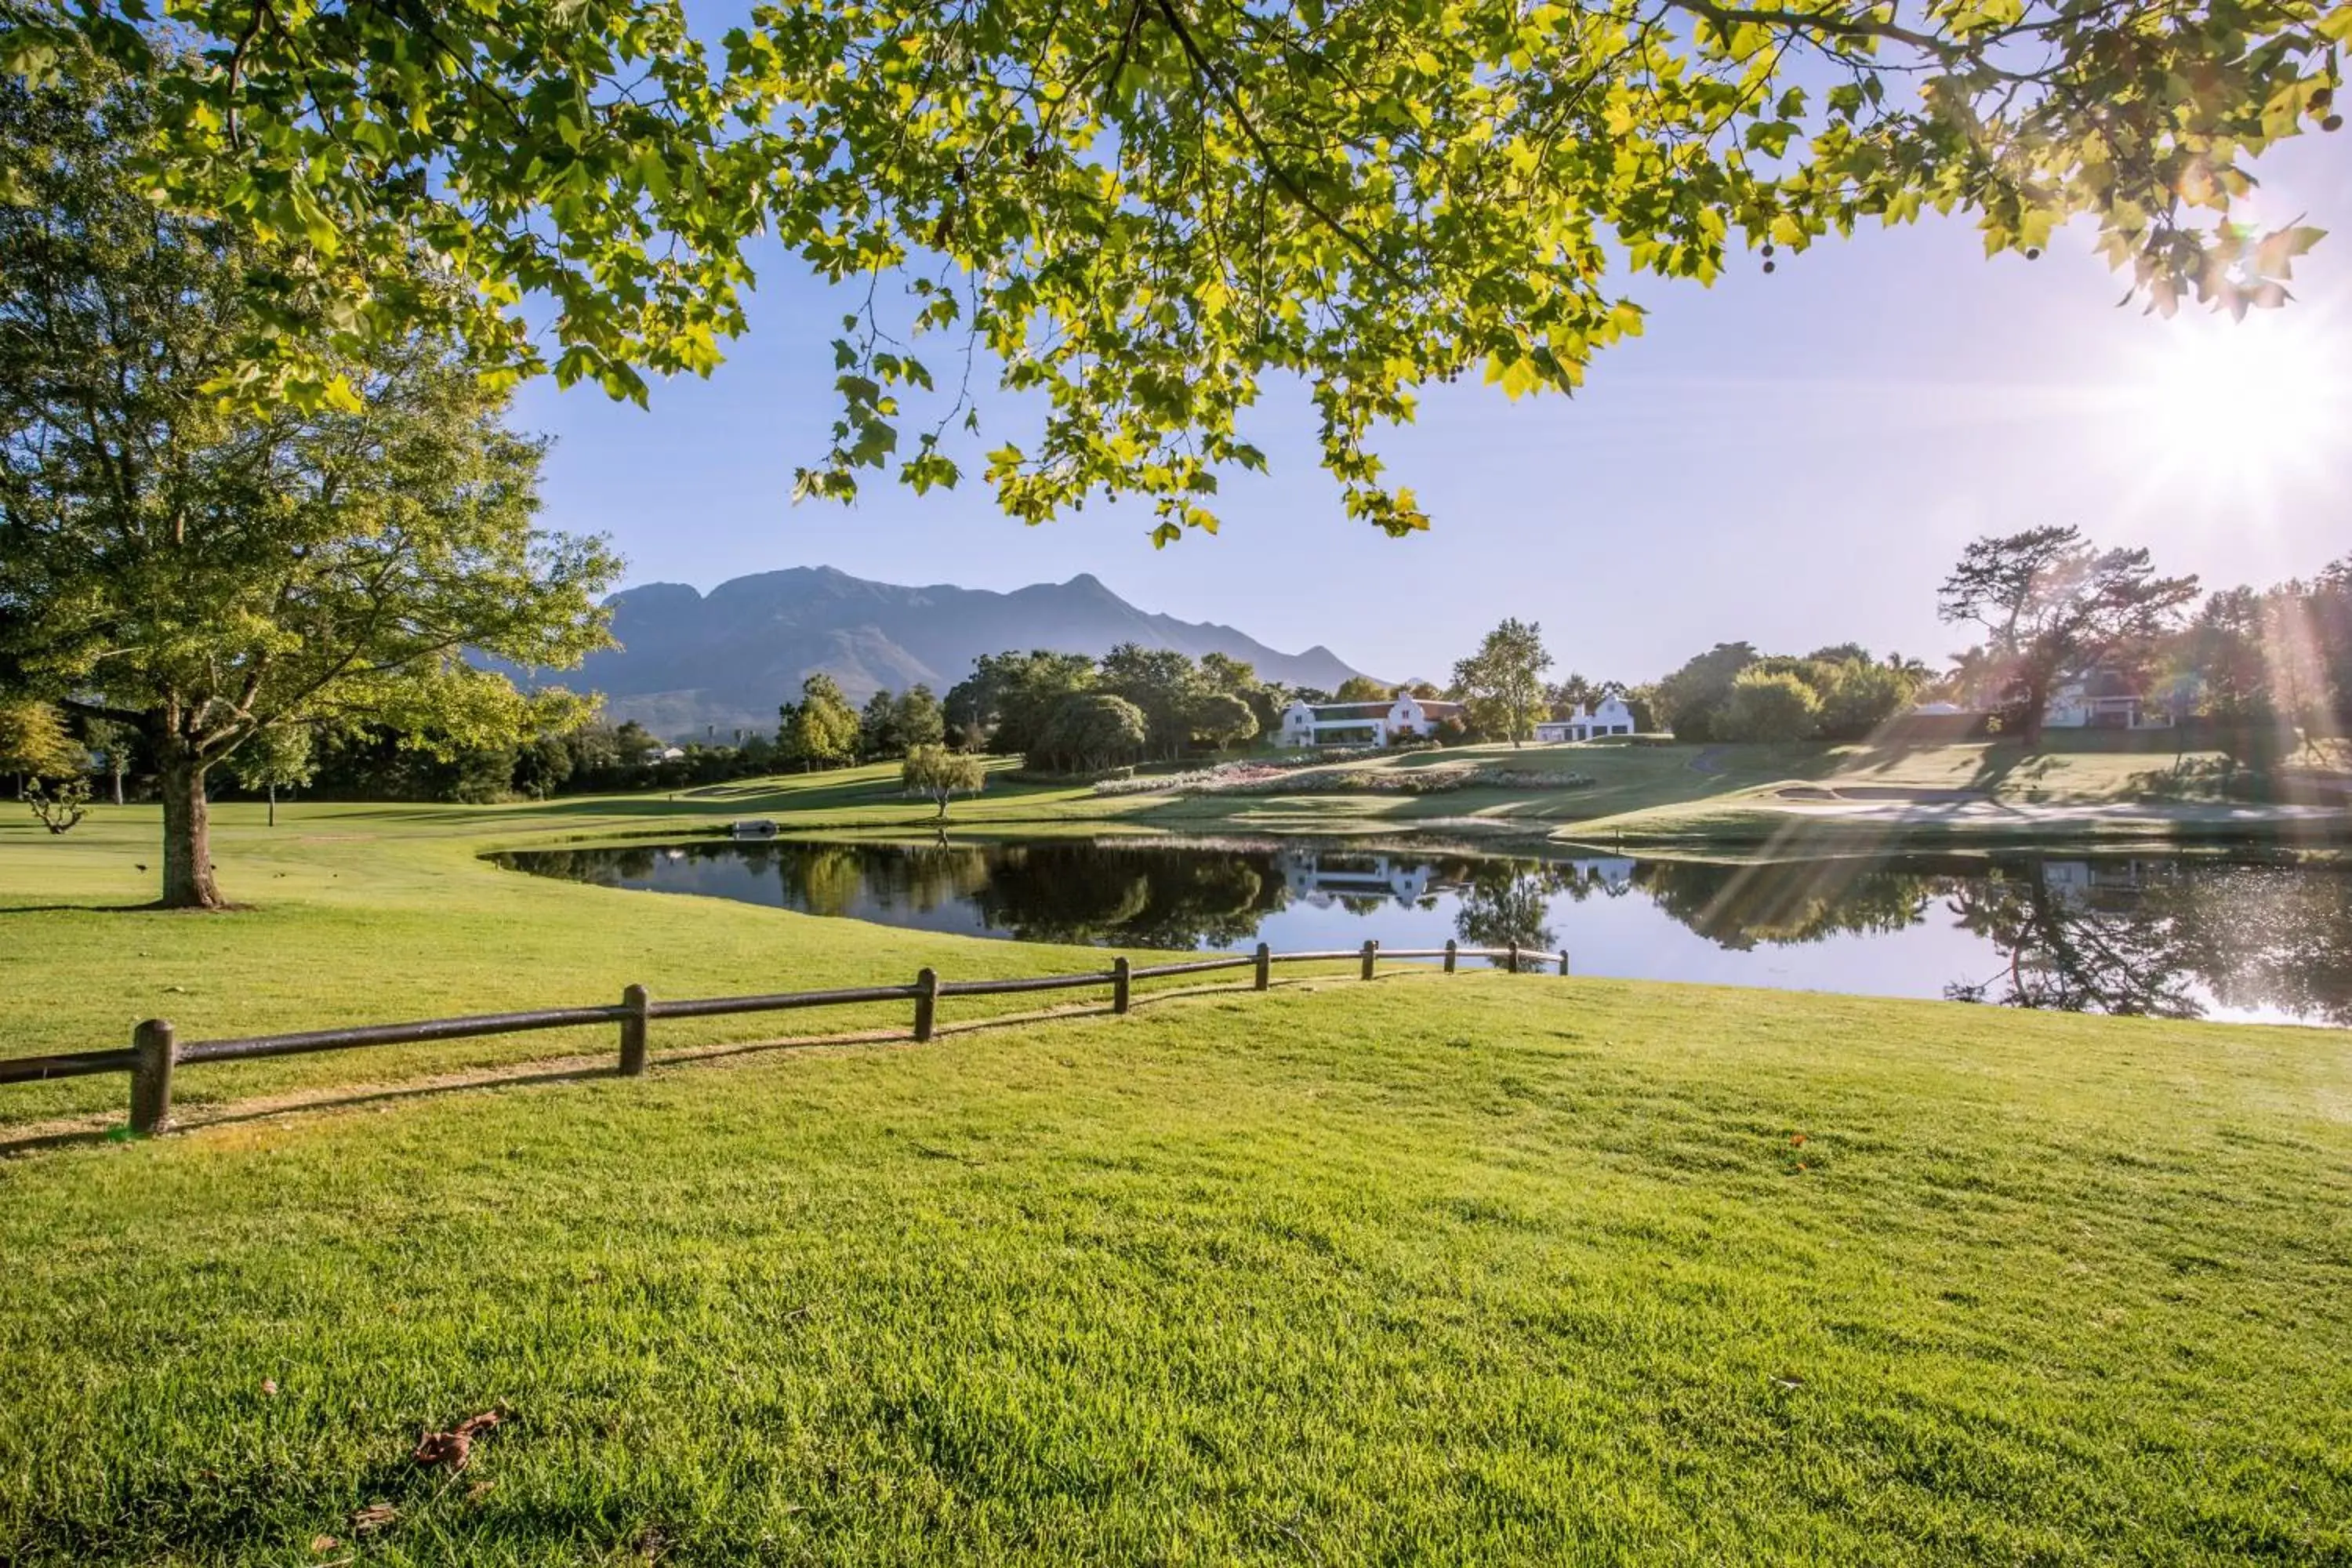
(690, 663)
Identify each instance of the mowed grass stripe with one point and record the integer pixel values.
(1486, 1271)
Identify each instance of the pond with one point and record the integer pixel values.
(2250, 939)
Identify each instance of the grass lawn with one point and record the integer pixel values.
(1478, 1269)
(2102, 784)
(372, 913)
(1471, 1270)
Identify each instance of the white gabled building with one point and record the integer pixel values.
(1324, 880)
(2105, 697)
(1610, 717)
(1363, 723)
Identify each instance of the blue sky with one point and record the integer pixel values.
(1792, 459)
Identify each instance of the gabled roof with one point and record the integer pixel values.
(1348, 710)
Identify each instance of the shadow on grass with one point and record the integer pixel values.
(88, 1129)
(1999, 764)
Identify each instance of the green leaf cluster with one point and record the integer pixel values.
(1146, 214)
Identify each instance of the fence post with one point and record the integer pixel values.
(1515, 956)
(1119, 983)
(1450, 955)
(1265, 966)
(927, 1004)
(151, 1080)
(1563, 960)
(633, 1031)
(1370, 949)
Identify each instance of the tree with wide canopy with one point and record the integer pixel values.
(1142, 211)
(208, 572)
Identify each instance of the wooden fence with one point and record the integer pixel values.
(155, 1053)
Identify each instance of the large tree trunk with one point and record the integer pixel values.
(187, 837)
(2037, 708)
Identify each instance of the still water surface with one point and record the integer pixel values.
(2240, 940)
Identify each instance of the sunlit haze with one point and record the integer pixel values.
(1792, 459)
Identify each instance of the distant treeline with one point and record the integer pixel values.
(2249, 666)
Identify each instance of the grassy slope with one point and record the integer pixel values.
(1730, 794)
(2094, 785)
(444, 932)
(363, 913)
(1477, 1269)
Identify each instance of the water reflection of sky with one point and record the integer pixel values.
(2146, 933)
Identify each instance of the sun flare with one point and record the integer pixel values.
(2238, 402)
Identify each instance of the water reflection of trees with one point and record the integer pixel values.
(842, 879)
(1786, 902)
(1506, 904)
(1734, 906)
(599, 867)
(1136, 897)
(2168, 937)
(2161, 937)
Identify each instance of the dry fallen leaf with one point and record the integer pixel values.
(454, 1446)
(323, 1544)
(270, 1385)
(450, 1449)
(373, 1517)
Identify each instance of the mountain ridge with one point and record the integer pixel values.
(693, 663)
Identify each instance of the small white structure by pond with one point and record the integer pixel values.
(1609, 717)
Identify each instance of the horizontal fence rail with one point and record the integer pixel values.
(155, 1051)
(422, 1032)
(66, 1064)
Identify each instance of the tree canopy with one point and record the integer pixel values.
(822, 729)
(207, 572)
(1221, 719)
(1091, 731)
(933, 770)
(1770, 707)
(1732, 692)
(1010, 698)
(1503, 681)
(1143, 212)
(34, 743)
(2057, 605)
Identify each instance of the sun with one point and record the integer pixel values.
(2241, 404)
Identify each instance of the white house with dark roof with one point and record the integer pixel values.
(2105, 697)
(1321, 879)
(1363, 723)
(1609, 717)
